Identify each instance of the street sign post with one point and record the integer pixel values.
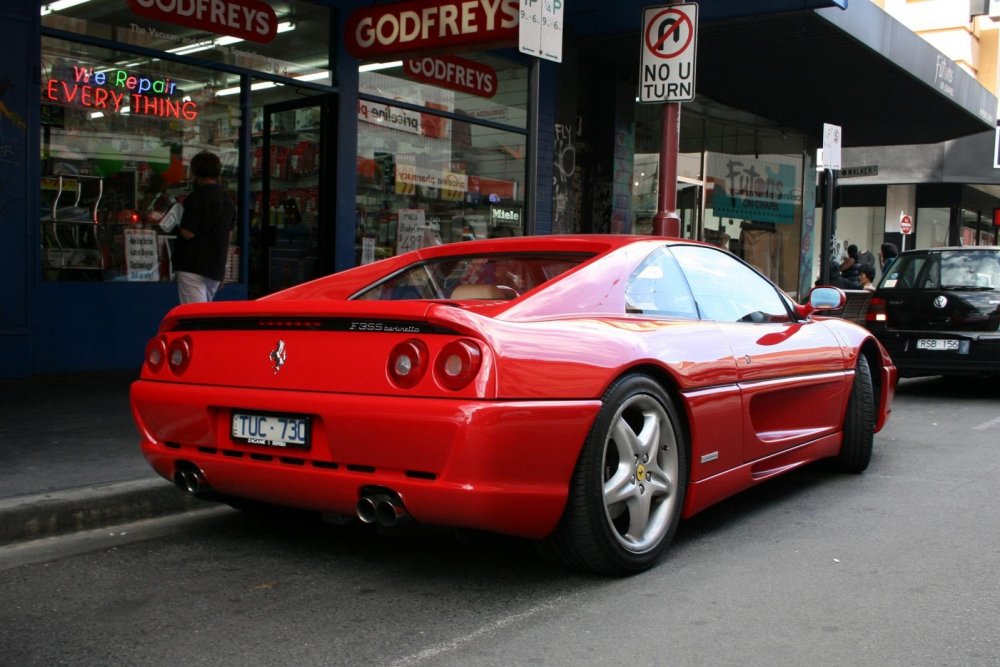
(996, 147)
(905, 223)
(832, 137)
(540, 29)
(669, 45)
(905, 227)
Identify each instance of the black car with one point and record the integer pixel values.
(937, 311)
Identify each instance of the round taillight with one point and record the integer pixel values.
(457, 364)
(156, 354)
(407, 363)
(179, 354)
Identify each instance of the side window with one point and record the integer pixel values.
(658, 287)
(727, 290)
(904, 274)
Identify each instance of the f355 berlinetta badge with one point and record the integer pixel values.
(278, 356)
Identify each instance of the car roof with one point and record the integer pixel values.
(951, 248)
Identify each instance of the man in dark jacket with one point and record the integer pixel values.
(834, 279)
(203, 235)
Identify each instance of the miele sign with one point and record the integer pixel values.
(247, 19)
(422, 24)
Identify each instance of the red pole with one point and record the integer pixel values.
(667, 222)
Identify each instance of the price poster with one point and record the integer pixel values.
(410, 230)
(142, 258)
(367, 249)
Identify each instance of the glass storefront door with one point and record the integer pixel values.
(291, 230)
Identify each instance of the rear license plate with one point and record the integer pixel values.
(939, 344)
(273, 430)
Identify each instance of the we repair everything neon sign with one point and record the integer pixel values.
(106, 91)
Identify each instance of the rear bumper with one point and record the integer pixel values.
(978, 353)
(503, 466)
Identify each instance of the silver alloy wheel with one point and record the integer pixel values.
(641, 468)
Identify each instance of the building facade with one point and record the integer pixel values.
(948, 189)
(352, 131)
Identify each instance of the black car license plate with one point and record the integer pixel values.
(938, 344)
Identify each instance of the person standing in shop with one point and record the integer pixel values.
(886, 254)
(867, 278)
(851, 267)
(203, 235)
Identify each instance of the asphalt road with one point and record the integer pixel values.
(898, 566)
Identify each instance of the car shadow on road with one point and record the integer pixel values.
(411, 548)
(455, 555)
(768, 496)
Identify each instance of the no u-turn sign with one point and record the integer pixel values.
(669, 45)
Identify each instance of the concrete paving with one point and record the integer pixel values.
(70, 460)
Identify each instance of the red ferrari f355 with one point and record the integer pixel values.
(588, 392)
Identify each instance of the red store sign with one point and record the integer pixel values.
(454, 73)
(429, 24)
(247, 19)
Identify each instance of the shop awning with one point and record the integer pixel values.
(857, 68)
(600, 17)
(801, 64)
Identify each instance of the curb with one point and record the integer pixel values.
(24, 518)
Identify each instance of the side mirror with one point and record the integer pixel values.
(822, 298)
(827, 298)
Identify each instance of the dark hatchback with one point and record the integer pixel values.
(937, 311)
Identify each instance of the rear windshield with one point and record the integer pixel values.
(494, 276)
(965, 269)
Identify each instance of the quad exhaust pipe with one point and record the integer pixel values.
(384, 508)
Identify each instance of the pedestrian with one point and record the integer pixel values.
(886, 254)
(833, 279)
(850, 268)
(203, 235)
(867, 278)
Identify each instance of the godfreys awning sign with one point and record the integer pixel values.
(422, 25)
(252, 20)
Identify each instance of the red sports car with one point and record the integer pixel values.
(588, 392)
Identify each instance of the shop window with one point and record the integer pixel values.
(753, 198)
(425, 174)
(863, 226)
(977, 228)
(118, 132)
(739, 187)
(931, 229)
(287, 39)
(481, 86)
(646, 170)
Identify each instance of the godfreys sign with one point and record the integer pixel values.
(247, 19)
(421, 25)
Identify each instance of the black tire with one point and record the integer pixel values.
(627, 492)
(859, 422)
